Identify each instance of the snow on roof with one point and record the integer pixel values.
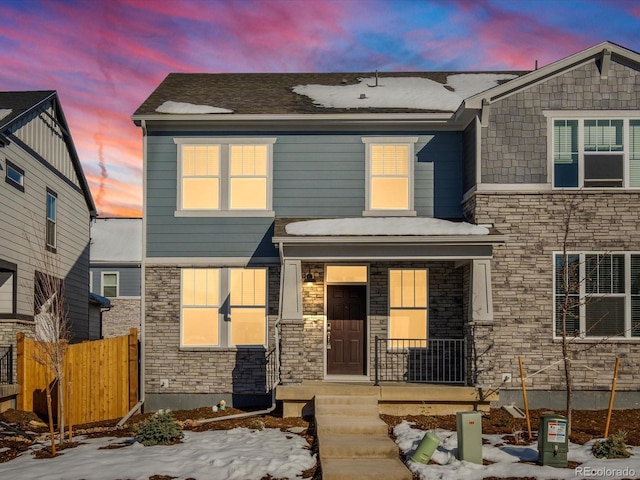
(188, 108)
(403, 92)
(116, 240)
(383, 226)
(4, 112)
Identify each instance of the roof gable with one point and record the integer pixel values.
(19, 106)
(603, 53)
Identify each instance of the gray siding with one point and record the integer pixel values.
(22, 229)
(129, 279)
(315, 175)
(514, 145)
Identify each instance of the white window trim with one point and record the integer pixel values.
(410, 142)
(54, 195)
(225, 144)
(102, 275)
(224, 312)
(583, 294)
(91, 281)
(581, 116)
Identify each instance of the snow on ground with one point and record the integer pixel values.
(245, 454)
(507, 459)
(402, 92)
(384, 226)
(189, 108)
(237, 454)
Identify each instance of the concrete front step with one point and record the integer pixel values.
(351, 426)
(364, 469)
(356, 446)
(354, 399)
(337, 410)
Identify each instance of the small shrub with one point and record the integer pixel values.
(159, 429)
(257, 425)
(613, 447)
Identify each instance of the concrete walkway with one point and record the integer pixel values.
(353, 440)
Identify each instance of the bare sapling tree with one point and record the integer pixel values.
(575, 292)
(52, 324)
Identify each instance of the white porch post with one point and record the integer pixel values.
(481, 300)
(291, 293)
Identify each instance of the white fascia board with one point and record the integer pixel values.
(382, 240)
(210, 261)
(546, 72)
(107, 263)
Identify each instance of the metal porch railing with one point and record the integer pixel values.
(6, 364)
(271, 370)
(422, 361)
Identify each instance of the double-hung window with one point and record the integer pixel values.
(598, 295)
(223, 307)
(110, 284)
(8, 288)
(224, 176)
(389, 175)
(51, 227)
(248, 310)
(408, 302)
(596, 152)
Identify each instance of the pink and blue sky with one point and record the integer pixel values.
(104, 57)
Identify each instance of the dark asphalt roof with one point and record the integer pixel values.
(267, 93)
(20, 102)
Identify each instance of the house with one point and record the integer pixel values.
(115, 272)
(45, 215)
(376, 227)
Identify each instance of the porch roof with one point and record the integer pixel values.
(383, 238)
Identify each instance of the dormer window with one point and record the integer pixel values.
(596, 153)
(389, 171)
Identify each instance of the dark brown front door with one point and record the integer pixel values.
(346, 320)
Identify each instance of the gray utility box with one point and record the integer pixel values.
(553, 442)
(469, 428)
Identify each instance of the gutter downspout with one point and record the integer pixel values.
(277, 350)
(141, 391)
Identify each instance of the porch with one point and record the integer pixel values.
(393, 398)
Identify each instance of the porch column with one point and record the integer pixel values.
(481, 300)
(292, 362)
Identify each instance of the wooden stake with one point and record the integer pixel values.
(613, 394)
(69, 412)
(524, 396)
(53, 437)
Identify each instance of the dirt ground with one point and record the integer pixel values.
(587, 424)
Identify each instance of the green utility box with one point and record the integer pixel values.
(553, 442)
(427, 446)
(469, 428)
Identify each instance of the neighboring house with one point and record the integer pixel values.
(424, 209)
(116, 257)
(46, 208)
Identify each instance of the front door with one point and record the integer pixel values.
(346, 321)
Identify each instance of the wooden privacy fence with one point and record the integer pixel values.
(100, 378)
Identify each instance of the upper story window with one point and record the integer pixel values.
(14, 176)
(598, 295)
(51, 228)
(389, 175)
(224, 176)
(596, 153)
(110, 284)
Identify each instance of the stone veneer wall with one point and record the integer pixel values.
(123, 315)
(303, 343)
(522, 276)
(9, 330)
(197, 371)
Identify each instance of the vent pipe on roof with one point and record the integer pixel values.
(536, 64)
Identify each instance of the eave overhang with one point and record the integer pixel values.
(439, 118)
